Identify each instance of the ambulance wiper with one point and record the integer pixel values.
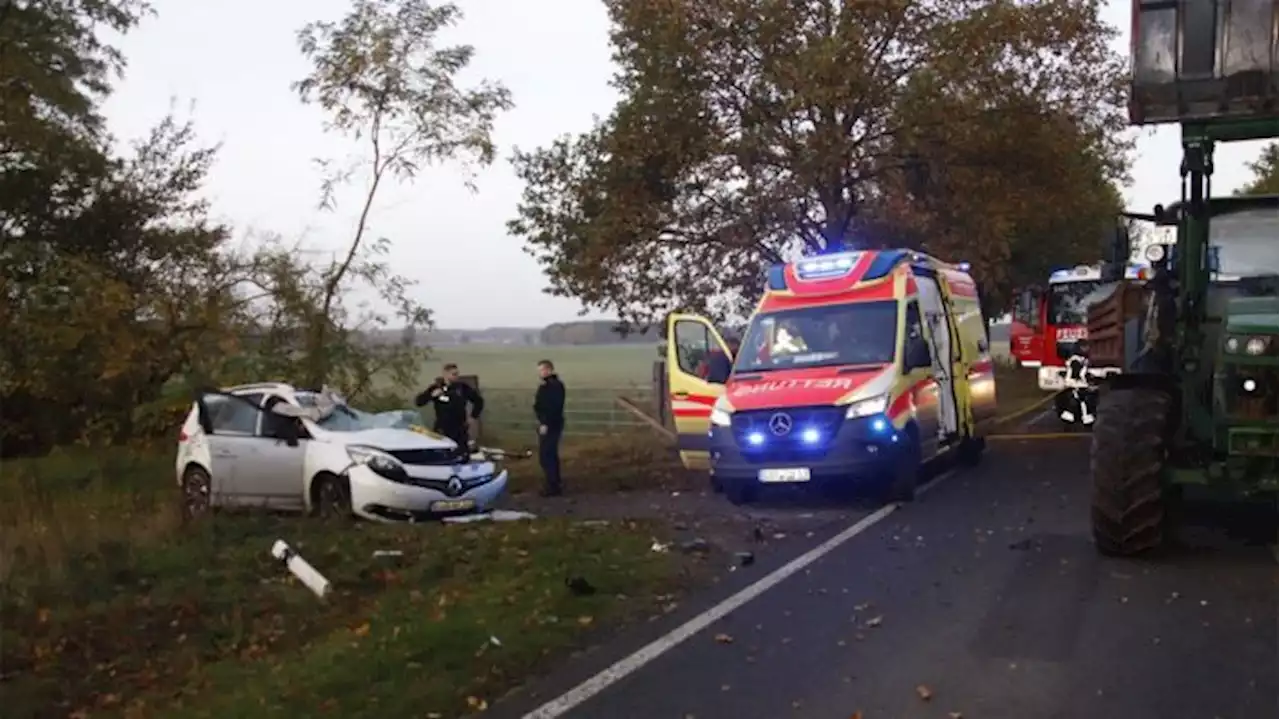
(860, 367)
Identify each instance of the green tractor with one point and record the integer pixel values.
(1197, 401)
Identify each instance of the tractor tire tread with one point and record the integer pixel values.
(1127, 512)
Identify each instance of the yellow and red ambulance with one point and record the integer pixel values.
(855, 369)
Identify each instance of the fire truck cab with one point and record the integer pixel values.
(1049, 333)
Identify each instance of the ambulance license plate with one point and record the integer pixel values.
(778, 476)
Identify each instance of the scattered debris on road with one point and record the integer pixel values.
(724, 639)
(924, 692)
(696, 545)
(875, 621)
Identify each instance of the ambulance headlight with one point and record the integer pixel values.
(867, 407)
(721, 415)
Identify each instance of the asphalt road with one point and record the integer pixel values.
(987, 597)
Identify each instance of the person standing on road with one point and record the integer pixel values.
(449, 396)
(720, 363)
(548, 407)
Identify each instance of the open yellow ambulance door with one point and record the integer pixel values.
(691, 342)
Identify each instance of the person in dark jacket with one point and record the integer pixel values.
(720, 363)
(548, 407)
(449, 397)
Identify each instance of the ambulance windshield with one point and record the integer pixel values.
(831, 335)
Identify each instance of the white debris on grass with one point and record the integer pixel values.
(307, 574)
(497, 515)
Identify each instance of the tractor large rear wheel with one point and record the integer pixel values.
(1130, 439)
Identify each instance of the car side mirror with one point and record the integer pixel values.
(917, 354)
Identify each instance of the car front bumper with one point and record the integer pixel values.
(378, 498)
(862, 454)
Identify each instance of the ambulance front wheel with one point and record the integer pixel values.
(742, 491)
(904, 475)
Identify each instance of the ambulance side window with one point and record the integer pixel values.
(914, 330)
(693, 344)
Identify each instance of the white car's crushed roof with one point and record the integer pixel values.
(281, 387)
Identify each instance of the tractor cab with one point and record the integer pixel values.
(1197, 402)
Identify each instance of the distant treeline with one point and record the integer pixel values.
(597, 332)
(586, 332)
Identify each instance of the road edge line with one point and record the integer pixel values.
(627, 665)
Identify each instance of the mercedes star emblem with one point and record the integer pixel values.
(455, 485)
(780, 423)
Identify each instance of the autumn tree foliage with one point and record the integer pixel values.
(1266, 172)
(753, 131)
(120, 294)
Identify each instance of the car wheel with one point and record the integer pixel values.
(197, 498)
(331, 497)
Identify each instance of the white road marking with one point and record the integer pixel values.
(1037, 419)
(571, 699)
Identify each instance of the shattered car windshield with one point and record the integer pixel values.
(341, 417)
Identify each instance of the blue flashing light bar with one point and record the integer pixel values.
(827, 267)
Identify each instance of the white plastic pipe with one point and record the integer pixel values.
(305, 573)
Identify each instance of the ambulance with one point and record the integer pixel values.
(855, 369)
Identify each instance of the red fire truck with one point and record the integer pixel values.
(1049, 333)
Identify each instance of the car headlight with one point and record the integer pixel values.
(867, 407)
(377, 460)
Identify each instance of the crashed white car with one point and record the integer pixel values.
(277, 447)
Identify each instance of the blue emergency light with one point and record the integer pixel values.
(827, 266)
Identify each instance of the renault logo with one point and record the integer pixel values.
(780, 423)
(454, 486)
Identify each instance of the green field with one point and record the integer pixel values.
(512, 367)
(594, 375)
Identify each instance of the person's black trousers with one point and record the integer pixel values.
(460, 434)
(549, 457)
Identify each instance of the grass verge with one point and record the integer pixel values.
(110, 605)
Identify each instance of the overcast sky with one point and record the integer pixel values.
(234, 60)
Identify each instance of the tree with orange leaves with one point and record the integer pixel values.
(753, 131)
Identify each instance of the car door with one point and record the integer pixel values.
(940, 332)
(921, 380)
(230, 423)
(690, 341)
(273, 476)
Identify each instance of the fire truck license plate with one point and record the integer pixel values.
(1077, 333)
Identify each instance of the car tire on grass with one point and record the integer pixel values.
(331, 497)
(197, 500)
